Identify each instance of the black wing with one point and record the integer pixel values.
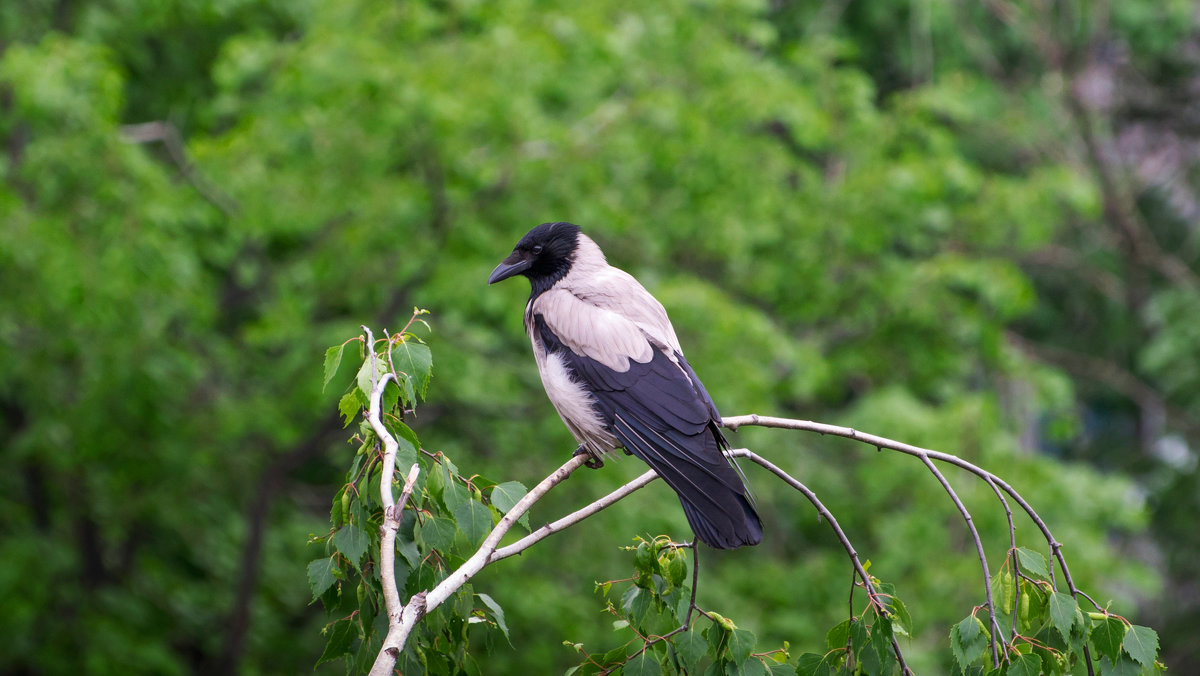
(662, 414)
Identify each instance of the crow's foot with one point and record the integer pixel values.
(592, 463)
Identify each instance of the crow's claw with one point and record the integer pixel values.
(591, 463)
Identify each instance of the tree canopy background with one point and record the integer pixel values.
(970, 226)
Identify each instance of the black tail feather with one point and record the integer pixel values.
(712, 494)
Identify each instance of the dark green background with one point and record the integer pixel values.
(970, 226)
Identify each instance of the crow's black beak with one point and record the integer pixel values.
(515, 264)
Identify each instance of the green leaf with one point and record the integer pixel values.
(416, 361)
(437, 533)
(464, 601)
(813, 664)
(1121, 667)
(751, 666)
(676, 569)
(389, 398)
(614, 656)
(406, 457)
(717, 640)
(338, 515)
(858, 636)
(968, 640)
(1025, 665)
(838, 636)
(333, 359)
(474, 520)
(1142, 644)
(366, 652)
(881, 640)
(352, 542)
(1062, 613)
(1004, 591)
(409, 394)
(902, 622)
(640, 605)
(497, 614)
(408, 663)
(506, 495)
(320, 576)
(1052, 660)
(741, 644)
(690, 646)
(1107, 636)
(868, 660)
(364, 378)
(340, 637)
(349, 406)
(644, 560)
(408, 551)
(1032, 563)
(407, 439)
(435, 481)
(643, 664)
(454, 494)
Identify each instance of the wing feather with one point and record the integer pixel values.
(653, 403)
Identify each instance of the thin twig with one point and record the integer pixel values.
(883, 442)
(420, 604)
(997, 635)
(687, 620)
(872, 595)
(572, 518)
(1012, 549)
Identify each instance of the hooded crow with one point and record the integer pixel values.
(613, 368)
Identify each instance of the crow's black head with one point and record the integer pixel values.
(544, 255)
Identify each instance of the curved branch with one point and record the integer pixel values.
(402, 621)
(872, 595)
(987, 575)
(1012, 553)
(883, 442)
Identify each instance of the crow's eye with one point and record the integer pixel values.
(537, 249)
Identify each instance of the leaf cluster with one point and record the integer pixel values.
(661, 630)
(445, 519)
(1049, 633)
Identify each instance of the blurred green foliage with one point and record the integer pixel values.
(899, 216)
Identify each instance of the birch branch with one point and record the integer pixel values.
(872, 595)
(420, 604)
(883, 442)
(403, 619)
(385, 661)
(574, 517)
(997, 635)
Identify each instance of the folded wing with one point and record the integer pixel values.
(651, 400)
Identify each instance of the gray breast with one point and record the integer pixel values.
(573, 403)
